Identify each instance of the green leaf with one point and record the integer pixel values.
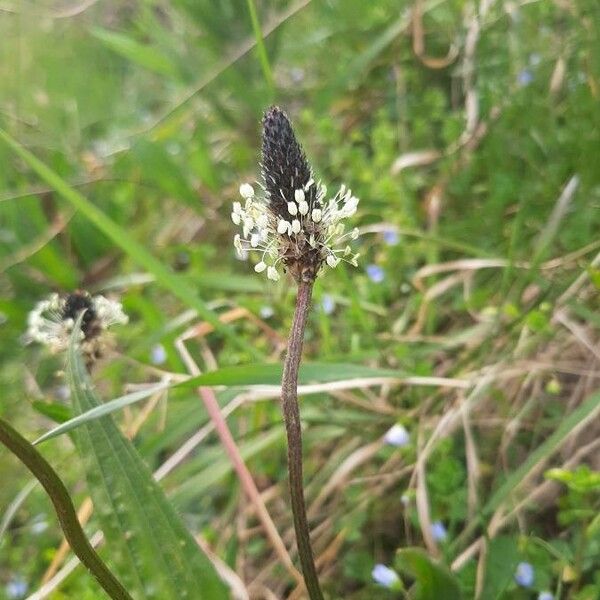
(100, 411)
(154, 553)
(145, 56)
(432, 581)
(501, 562)
(59, 413)
(258, 374)
(270, 374)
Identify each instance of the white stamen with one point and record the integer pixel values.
(235, 217)
(332, 261)
(260, 267)
(272, 274)
(296, 227)
(316, 215)
(246, 190)
(292, 208)
(303, 207)
(283, 227)
(299, 196)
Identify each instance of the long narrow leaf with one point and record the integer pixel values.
(151, 548)
(247, 375)
(101, 411)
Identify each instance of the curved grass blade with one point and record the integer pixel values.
(101, 411)
(152, 549)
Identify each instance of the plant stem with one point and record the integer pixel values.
(65, 511)
(291, 416)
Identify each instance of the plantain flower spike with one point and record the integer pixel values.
(291, 223)
(51, 321)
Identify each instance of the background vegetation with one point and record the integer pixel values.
(470, 133)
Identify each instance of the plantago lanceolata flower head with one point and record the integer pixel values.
(52, 320)
(291, 222)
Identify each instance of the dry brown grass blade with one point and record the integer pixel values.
(220, 425)
(422, 500)
(418, 36)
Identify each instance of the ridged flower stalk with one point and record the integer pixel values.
(296, 229)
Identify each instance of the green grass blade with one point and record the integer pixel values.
(145, 56)
(164, 277)
(151, 548)
(102, 410)
(270, 374)
(260, 46)
(256, 374)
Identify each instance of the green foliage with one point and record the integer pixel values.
(149, 544)
(128, 129)
(431, 580)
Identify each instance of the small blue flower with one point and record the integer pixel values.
(397, 436)
(384, 576)
(158, 354)
(545, 596)
(17, 588)
(375, 273)
(266, 312)
(391, 237)
(327, 304)
(524, 78)
(438, 531)
(524, 575)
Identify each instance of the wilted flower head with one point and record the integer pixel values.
(291, 222)
(51, 321)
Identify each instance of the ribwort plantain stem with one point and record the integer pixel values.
(291, 416)
(65, 511)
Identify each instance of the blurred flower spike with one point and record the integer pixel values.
(385, 576)
(291, 222)
(51, 321)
